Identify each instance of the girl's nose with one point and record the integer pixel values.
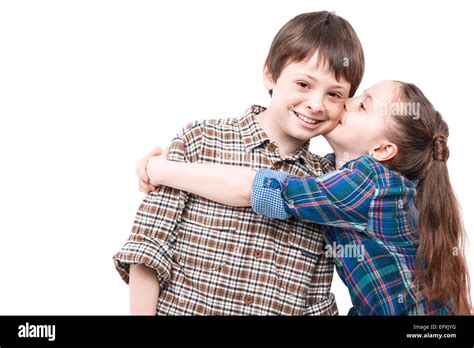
(349, 103)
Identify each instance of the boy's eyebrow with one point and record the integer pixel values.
(315, 79)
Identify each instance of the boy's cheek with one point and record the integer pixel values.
(335, 112)
(295, 97)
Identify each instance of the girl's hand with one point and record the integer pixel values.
(143, 179)
(155, 167)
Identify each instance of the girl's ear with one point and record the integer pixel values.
(384, 151)
(267, 78)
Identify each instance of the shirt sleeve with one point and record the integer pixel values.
(341, 198)
(154, 226)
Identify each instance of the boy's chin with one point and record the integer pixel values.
(335, 139)
(334, 133)
(306, 134)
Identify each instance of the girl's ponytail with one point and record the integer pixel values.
(442, 271)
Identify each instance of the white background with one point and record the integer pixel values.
(89, 87)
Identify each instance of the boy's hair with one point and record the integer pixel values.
(324, 32)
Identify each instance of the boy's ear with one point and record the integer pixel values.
(384, 151)
(267, 78)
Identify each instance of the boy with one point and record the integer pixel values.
(187, 255)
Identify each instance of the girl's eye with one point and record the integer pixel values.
(335, 95)
(302, 84)
(362, 106)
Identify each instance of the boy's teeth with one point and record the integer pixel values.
(306, 119)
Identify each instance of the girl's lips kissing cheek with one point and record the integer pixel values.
(341, 119)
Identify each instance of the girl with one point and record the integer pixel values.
(389, 145)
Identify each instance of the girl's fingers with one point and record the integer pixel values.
(149, 188)
(145, 187)
(141, 169)
(141, 187)
(156, 151)
(166, 151)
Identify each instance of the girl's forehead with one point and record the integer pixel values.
(384, 91)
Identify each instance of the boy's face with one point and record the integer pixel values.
(307, 101)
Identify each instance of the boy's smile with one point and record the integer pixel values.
(307, 101)
(307, 121)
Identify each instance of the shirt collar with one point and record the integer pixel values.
(254, 136)
(250, 130)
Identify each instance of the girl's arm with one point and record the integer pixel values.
(226, 184)
(341, 198)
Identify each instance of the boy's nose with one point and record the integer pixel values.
(315, 104)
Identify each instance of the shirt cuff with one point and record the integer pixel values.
(266, 198)
(141, 249)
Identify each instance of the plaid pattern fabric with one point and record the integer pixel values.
(370, 228)
(213, 259)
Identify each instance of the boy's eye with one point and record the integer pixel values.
(335, 95)
(302, 84)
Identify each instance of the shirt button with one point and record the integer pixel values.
(277, 165)
(257, 254)
(291, 239)
(271, 147)
(248, 299)
(272, 183)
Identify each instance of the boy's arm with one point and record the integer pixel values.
(226, 184)
(144, 290)
(146, 251)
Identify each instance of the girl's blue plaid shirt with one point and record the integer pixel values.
(369, 208)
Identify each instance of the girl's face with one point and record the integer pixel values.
(363, 125)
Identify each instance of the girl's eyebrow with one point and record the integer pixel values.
(366, 96)
(368, 99)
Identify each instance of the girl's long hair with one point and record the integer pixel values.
(442, 271)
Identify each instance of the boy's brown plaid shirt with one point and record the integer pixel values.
(212, 259)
